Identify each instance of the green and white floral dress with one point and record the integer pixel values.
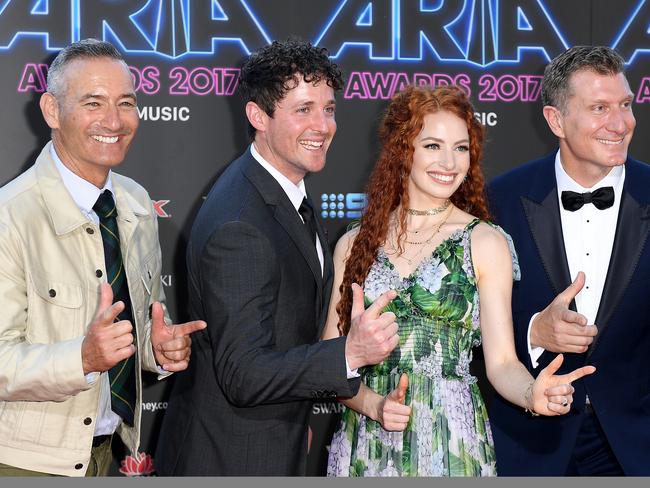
(437, 311)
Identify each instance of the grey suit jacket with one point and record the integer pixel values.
(242, 408)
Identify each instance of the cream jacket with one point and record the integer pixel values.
(50, 255)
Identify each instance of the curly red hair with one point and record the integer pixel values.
(387, 188)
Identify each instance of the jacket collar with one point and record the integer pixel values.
(64, 212)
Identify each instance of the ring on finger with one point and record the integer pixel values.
(565, 402)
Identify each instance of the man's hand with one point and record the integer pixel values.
(373, 335)
(172, 343)
(393, 414)
(107, 342)
(559, 329)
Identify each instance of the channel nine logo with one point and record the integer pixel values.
(342, 205)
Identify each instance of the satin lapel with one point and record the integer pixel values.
(546, 229)
(631, 235)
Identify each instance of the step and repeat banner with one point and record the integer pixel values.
(185, 55)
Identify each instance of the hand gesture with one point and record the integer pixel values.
(373, 335)
(172, 343)
(559, 329)
(553, 394)
(106, 342)
(393, 414)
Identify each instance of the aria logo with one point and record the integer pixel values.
(158, 208)
(342, 205)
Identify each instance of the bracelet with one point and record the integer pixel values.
(528, 400)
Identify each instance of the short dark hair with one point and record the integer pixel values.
(84, 49)
(269, 73)
(556, 89)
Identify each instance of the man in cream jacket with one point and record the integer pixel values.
(62, 330)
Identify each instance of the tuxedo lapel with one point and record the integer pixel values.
(543, 215)
(631, 235)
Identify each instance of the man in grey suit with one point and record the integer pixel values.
(260, 274)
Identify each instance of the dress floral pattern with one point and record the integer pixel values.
(437, 311)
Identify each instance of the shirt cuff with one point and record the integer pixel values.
(352, 373)
(91, 378)
(534, 352)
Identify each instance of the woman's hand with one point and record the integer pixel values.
(393, 414)
(552, 394)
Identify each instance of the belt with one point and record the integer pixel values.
(98, 440)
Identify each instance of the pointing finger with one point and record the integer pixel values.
(358, 306)
(579, 373)
(374, 310)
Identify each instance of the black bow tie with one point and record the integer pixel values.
(602, 198)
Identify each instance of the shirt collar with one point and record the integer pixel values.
(295, 192)
(84, 193)
(614, 179)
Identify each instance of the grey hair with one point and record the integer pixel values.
(84, 49)
(556, 89)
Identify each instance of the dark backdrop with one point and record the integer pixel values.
(184, 55)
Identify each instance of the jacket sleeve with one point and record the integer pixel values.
(31, 371)
(239, 281)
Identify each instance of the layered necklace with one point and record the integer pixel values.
(431, 211)
(436, 230)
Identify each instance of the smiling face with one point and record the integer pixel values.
(296, 139)
(95, 120)
(441, 160)
(596, 129)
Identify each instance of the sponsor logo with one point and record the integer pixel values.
(153, 406)
(342, 205)
(139, 465)
(158, 208)
(166, 280)
(327, 408)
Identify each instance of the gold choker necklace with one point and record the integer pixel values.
(431, 211)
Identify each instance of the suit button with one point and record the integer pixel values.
(88, 421)
(91, 231)
(52, 292)
(78, 466)
(99, 273)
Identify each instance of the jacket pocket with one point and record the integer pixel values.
(54, 310)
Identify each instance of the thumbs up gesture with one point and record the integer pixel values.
(559, 329)
(373, 334)
(106, 342)
(394, 415)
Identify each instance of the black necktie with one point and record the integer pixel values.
(307, 214)
(122, 375)
(602, 198)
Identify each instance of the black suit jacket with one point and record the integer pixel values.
(526, 205)
(242, 407)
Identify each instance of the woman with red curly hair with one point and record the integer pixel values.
(425, 233)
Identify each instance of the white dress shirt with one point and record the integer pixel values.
(588, 240)
(85, 194)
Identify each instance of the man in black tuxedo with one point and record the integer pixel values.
(580, 220)
(260, 274)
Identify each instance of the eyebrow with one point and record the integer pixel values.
(87, 96)
(311, 102)
(435, 139)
